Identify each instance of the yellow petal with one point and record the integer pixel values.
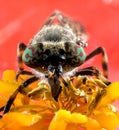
(23, 119)
(107, 120)
(92, 124)
(78, 118)
(6, 89)
(72, 126)
(9, 75)
(64, 118)
(112, 93)
(58, 122)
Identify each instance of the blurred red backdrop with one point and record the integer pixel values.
(20, 20)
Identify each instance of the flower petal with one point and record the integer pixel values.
(112, 93)
(64, 118)
(6, 89)
(108, 120)
(92, 124)
(9, 75)
(24, 121)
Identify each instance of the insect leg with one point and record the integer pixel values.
(104, 59)
(91, 71)
(23, 72)
(19, 89)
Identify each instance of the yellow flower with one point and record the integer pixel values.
(82, 106)
(66, 121)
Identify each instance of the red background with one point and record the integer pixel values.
(21, 19)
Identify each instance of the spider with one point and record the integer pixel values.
(54, 54)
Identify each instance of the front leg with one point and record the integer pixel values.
(89, 71)
(19, 89)
(100, 50)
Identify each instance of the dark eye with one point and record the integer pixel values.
(33, 55)
(61, 52)
(47, 52)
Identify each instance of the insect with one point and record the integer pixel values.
(55, 50)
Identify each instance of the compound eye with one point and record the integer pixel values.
(32, 55)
